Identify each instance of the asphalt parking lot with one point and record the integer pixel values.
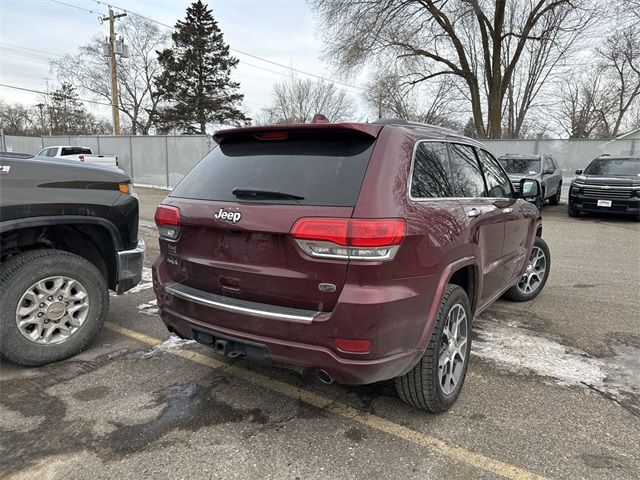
(553, 390)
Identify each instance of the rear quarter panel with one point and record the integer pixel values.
(436, 239)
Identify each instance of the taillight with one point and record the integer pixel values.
(81, 157)
(168, 221)
(351, 345)
(349, 239)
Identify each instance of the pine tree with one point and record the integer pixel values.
(196, 78)
(66, 112)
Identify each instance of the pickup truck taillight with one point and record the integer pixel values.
(168, 221)
(349, 239)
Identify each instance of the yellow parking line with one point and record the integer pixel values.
(454, 452)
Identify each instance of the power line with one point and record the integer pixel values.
(48, 93)
(11, 45)
(236, 50)
(76, 6)
(80, 99)
(38, 61)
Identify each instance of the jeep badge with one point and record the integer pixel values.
(232, 217)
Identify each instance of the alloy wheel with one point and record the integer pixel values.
(534, 274)
(52, 310)
(453, 349)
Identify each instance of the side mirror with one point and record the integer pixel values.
(578, 172)
(549, 171)
(529, 189)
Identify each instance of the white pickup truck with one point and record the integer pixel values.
(82, 154)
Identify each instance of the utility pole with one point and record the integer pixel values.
(115, 108)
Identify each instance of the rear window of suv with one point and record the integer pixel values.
(325, 168)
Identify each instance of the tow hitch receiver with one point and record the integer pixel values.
(233, 347)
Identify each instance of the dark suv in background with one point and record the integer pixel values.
(359, 251)
(609, 184)
(541, 167)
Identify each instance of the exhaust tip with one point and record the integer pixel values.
(324, 377)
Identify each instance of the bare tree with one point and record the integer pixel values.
(541, 62)
(584, 102)
(88, 71)
(620, 59)
(388, 95)
(479, 43)
(16, 119)
(297, 100)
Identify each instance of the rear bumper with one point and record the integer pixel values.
(130, 263)
(299, 356)
(394, 320)
(621, 206)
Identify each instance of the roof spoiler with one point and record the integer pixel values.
(365, 128)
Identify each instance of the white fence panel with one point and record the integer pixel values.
(162, 161)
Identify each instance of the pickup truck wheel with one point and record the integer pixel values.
(435, 382)
(555, 200)
(53, 304)
(535, 276)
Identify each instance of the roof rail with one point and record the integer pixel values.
(402, 121)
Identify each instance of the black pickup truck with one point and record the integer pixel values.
(68, 234)
(608, 185)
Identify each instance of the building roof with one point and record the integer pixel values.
(628, 134)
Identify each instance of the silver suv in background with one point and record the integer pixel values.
(539, 167)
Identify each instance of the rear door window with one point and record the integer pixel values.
(465, 171)
(431, 174)
(325, 168)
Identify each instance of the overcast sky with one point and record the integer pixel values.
(279, 30)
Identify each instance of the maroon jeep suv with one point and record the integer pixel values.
(359, 251)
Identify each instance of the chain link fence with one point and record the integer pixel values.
(161, 161)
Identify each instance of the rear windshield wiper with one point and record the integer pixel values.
(261, 193)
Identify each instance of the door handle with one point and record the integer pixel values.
(507, 210)
(473, 213)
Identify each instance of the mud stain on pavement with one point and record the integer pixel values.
(356, 435)
(92, 393)
(601, 461)
(190, 406)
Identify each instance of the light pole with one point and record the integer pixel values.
(41, 108)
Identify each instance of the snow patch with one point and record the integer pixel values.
(509, 345)
(149, 308)
(172, 342)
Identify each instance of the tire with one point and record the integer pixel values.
(555, 200)
(519, 293)
(540, 201)
(421, 387)
(27, 279)
(572, 211)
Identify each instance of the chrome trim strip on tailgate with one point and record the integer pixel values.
(245, 307)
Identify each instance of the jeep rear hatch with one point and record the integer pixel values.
(238, 206)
